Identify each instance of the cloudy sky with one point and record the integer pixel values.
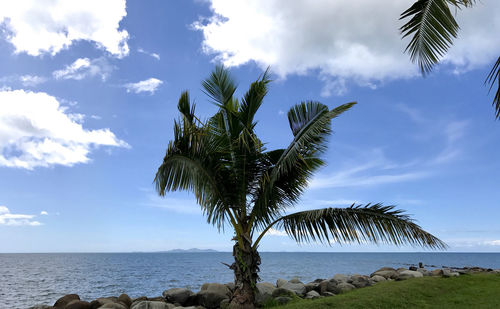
(88, 93)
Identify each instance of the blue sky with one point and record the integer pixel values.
(88, 97)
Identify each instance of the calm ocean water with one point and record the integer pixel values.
(29, 279)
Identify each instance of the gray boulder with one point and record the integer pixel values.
(41, 307)
(312, 295)
(378, 278)
(359, 281)
(295, 280)
(344, 287)
(297, 288)
(386, 272)
(211, 294)
(177, 295)
(124, 299)
(147, 304)
(437, 272)
(341, 278)
(407, 274)
(78, 304)
(312, 286)
(280, 282)
(448, 273)
(116, 306)
(281, 292)
(264, 292)
(66, 299)
(329, 286)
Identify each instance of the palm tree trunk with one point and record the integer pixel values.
(246, 268)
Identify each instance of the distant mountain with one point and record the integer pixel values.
(192, 250)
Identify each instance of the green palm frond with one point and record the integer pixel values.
(186, 108)
(433, 27)
(310, 124)
(492, 78)
(253, 100)
(220, 87)
(369, 223)
(290, 169)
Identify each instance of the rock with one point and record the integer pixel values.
(424, 271)
(157, 298)
(264, 292)
(147, 304)
(77, 304)
(327, 294)
(344, 287)
(437, 272)
(41, 307)
(295, 280)
(400, 269)
(341, 278)
(298, 288)
(115, 306)
(125, 299)
(281, 292)
(312, 286)
(66, 299)
(282, 300)
(407, 274)
(312, 295)
(177, 295)
(378, 278)
(329, 286)
(280, 282)
(359, 281)
(448, 273)
(386, 272)
(212, 294)
(414, 268)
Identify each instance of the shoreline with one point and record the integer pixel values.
(217, 295)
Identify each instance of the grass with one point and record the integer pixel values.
(467, 291)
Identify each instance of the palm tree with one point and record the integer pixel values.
(432, 28)
(238, 182)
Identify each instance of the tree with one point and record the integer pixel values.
(238, 182)
(432, 28)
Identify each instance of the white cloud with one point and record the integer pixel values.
(274, 232)
(31, 80)
(84, 67)
(8, 218)
(149, 85)
(44, 213)
(49, 26)
(35, 130)
(154, 55)
(356, 41)
(492, 242)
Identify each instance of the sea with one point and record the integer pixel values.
(41, 278)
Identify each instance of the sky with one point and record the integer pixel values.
(88, 93)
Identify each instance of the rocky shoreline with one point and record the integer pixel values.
(216, 295)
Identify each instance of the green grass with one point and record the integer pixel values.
(468, 291)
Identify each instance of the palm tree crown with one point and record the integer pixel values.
(237, 181)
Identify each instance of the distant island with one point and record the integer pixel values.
(192, 250)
